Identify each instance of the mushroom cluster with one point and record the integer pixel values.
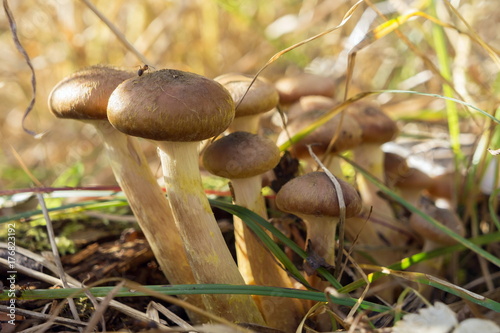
(176, 111)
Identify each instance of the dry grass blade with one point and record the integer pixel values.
(275, 57)
(342, 208)
(116, 32)
(99, 312)
(55, 253)
(170, 315)
(133, 313)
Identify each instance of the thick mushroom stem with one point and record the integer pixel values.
(243, 157)
(321, 232)
(257, 265)
(203, 239)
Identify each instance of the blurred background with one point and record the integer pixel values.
(212, 37)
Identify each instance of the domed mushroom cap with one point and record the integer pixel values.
(241, 155)
(85, 94)
(171, 105)
(376, 125)
(447, 217)
(314, 194)
(291, 88)
(348, 138)
(261, 97)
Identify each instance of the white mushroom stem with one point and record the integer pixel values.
(207, 252)
(257, 265)
(150, 206)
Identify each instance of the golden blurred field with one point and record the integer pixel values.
(210, 38)
(213, 37)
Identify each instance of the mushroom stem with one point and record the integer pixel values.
(150, 206)
(322, 230)
(207, 252)
(257, 265)
(247, 193)
(245, 123)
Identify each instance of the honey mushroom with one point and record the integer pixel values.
(84, 96)
(314, 199)
(243, 157)
(250, 103)
(177, 110)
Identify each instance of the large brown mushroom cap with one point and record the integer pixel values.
(261, 97)
(309, 103)
(171, 105)
(314, 194)
(292, 88)
(241, 155)
(376, 125)
(85, 94)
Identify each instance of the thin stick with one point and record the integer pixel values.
(55, 252)
(116, 32)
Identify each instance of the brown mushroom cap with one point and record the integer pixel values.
(241, 155)
(85, 94)
(447, 217)
(171, 105)
(394, 166)
(261, 97)
(314, 194)
(292, 88)
(376, 125)
(399, 174)
(349, 136)
(442, 186)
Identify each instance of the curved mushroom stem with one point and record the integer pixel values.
(150, 207)
(206, 249)
(257, 265)
(321, 232)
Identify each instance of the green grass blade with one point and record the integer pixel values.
(473, 247)
(196, 290)
(441, 47)
(419, 257)
(252, 219)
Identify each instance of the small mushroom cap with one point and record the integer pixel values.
(85, 94)
(348, 138)
(241, 155)
(314, 194)
(442, 186)
(292, 88)
(399, 174)
(447, 217)
(261, 97)
(376, 125)
(171, 105)
(394, 166)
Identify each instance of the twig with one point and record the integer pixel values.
(20, 48)
(55, 252)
